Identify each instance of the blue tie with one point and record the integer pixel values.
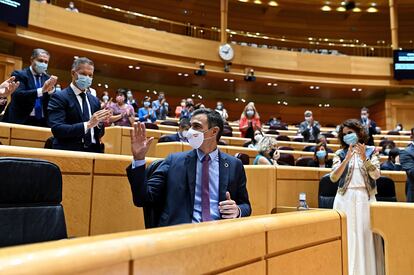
(38, 102)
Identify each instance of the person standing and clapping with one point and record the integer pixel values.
(356, 168)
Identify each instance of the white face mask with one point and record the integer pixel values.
(196, 138)
(184, 133)
(258, 138)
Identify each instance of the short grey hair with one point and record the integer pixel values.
(81, 60)
(308, 113)
(37, 52)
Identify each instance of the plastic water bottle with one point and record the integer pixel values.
(302, 202)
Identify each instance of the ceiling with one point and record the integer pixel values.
(292, 18)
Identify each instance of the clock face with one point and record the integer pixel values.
(226, 52)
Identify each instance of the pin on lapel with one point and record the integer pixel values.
(226, 165)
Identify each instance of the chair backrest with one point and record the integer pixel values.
(153, 126)
(328, 135)
(286, 159)
(227, 132)
(243, 157)
(279, 127)
(393, 133)
(298, 139)
(222, 142)
(286, 148)
(272, 132)
(30, 202)
(303, 161)
(49, 143)
(283, 138)
(309, 148)
(152, 213)
(386, 190)
(326, 192)
(169, 123)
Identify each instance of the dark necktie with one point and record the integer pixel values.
(38, 102)
(85, 117)
(205, 190)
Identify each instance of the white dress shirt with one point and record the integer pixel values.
(39, 90)
(79, 98)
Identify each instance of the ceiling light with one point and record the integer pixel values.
(99, 84)
(278, 102)
(200, 97)
(75, 57)
(231, 80)
(244, 1)
(354, 89)
(154, 92)
(311, 87)
(243, 100)
(359, 90)
(257, 2)
(317, 88)
(147, 91)
(226, 79)
(179, 74)
(340, 9)
(320, 105)
(326, 8)
(356, 9)
(237, 99)
(269, 84)
(372, 10)
(106, 86)
(185, 75)
(137, 67)
(273, 4)
(310, 38)
(130, 66)
(274, 84)
(193, 95)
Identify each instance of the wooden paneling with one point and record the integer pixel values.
(261, 186)
(390, 220)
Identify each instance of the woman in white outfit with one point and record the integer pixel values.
(356, 167)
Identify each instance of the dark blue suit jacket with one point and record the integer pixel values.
(172, 186)
(407, 163)
(23, 99)
(65, 119)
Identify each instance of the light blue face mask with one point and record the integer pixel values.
(40, 67)
(321, 154)
(147, 104)
(351, 139)
(83, 82)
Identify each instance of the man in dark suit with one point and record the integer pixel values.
(309, 128)
(181, 135)
(29, 102)
(195, 186)
(369, 125)
(407, 163)
(75, 115)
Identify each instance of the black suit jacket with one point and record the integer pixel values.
(23, 99)
(65, 119)
(172, 186)
(372, 130)
(407, 163)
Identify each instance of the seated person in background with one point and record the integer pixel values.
(8, 86)
(249, 121)
(179, 108)
(188, 110)
(276, 122)
(146, 114)
(105, 100)
(75, 115)
(160, 107)
(199, 106)
(131, 100)
(393, 162)
(309, 128)
(181, 135)
(320, 158)
(407, 162)
(200, 185)
(268, 153)
(387, 147)
(369, 125)
(72, 7)
(29, 102)
(258, 135)
(122, 113)
(223, 112)
(399, 127)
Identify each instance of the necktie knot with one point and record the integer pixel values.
(82, 95)
(206, 158)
